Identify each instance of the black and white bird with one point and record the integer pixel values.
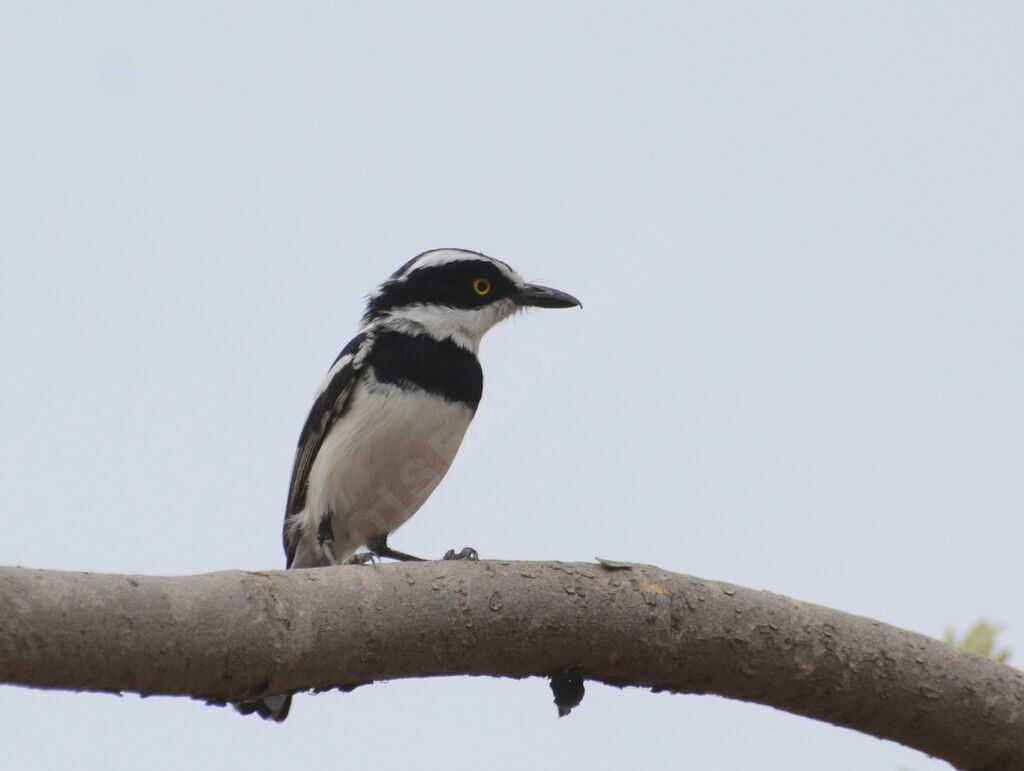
(393, 409)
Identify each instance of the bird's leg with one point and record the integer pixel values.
(378, 546)
(325, 539)
(467, 553)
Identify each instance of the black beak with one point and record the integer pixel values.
(545, 297)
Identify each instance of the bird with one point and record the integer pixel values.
(391, 412)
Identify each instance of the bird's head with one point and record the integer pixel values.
(457, 294)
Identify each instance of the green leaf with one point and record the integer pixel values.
(980, 639)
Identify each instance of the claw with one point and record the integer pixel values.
(468, 553)
(361, 558)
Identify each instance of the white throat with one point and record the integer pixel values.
(463, 326)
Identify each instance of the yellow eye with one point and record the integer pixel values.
(481, 286)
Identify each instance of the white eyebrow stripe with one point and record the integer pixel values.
(438, 257)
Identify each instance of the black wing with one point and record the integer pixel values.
(330, 405)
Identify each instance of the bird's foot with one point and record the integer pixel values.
(361, 558)
(468, 553)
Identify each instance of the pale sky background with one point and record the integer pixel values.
(796, 229)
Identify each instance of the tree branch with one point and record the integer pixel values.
(228, 636)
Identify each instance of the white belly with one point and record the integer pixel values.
(379, 464)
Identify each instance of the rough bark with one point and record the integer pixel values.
(227, 636)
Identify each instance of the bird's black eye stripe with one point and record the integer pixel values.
(451, 284)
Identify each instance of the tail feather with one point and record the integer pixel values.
(269, 707)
